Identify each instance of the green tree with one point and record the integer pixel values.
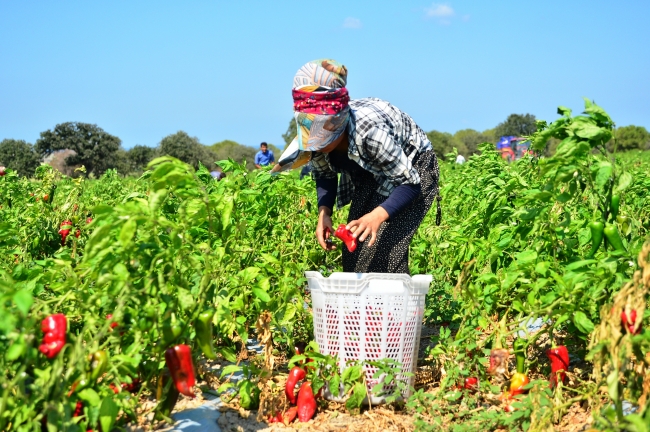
(20, 156)
(290, 134)
(139, 156)
(444, 143)
(516, 125)
(471, 139)
(235, 151)
(188, 149)
(94, 148)
(631, 138)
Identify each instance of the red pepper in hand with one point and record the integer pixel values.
(306, 402)
(295, 375)
(179, 362)
(64, 230)
(54, 328)
(559, 357)
(628, 321)
(346, 236)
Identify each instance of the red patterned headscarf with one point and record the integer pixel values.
(321, 111)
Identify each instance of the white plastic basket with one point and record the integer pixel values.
(369, 316)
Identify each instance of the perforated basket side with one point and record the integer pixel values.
(369, 326)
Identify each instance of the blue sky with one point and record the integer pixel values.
(219, 70)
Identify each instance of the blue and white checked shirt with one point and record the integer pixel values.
(382, 140)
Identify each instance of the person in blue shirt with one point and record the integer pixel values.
(264, 157)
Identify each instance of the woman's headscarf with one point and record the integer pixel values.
(321, 112)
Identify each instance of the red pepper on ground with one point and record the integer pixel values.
(306, 402)
(179, 362)
(289, 415)
(54, 328)
(471, 383)
(559, 357)
(277, 418)
(628, 322)
(346, 236)
(517, 383)
(295, 375)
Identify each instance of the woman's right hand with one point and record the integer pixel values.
(324, 228)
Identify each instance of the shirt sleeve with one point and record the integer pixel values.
(380, 148)
(401, 197)
(326, 191)
(257, 158)
(271, 156)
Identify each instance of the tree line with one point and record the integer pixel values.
(72, 144)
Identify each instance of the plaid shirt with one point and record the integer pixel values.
(382, 140)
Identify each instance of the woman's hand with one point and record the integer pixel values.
(368, 225)
(324, 228)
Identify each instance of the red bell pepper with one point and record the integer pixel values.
(346, 236)
(517, 383)
(628, 321)
(289, 415)
(559, 357)
(295, 375)
(277, 418)
(54, 328)
(64, 230)
(471, 383)
(113, 324)
(306, 402)
(179, 362)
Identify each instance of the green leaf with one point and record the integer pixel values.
(23, 301)
(624, 181)
(355, 400)
(128, 231)
(185, 299)
(604, 173)
(15, 350)
(582, 322)
(270, 259)
(526, 257)
(248, 274)
(261, 294)
(228, 353)
(108, 413)
(89, 395)
(578, 264)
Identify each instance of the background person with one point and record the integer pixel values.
(264, 157)
(388, 170)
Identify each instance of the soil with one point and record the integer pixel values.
(332, 416)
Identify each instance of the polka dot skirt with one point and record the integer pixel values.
(390, 252)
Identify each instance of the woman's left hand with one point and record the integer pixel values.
(368, 225)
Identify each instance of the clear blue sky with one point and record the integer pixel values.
(219, 70)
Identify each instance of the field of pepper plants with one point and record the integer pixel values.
(119, 295)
